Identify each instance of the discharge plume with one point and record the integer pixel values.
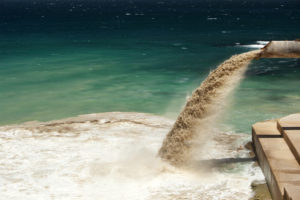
(206, 101)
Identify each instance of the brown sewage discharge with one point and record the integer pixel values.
(206, 102)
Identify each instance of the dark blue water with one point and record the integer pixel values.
(64, 58)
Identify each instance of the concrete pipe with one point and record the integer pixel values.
(281, 49)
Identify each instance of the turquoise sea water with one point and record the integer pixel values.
(63, 58)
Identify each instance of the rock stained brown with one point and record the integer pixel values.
(203, 103)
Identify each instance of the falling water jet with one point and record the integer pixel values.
(202, 106)
(207, 100)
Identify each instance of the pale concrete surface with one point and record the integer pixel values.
(292, 138)
(292, 193)
(276, 152)
(290, 120)
(289, 127)
(266, 128)
(270, 130)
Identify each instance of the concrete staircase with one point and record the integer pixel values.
(277, 147)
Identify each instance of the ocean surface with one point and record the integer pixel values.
(64, 58)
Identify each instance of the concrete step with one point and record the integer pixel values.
(278, 163)
(292, 193)
(290, 129)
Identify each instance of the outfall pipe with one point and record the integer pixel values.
(281, 49)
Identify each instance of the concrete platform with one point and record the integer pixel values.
(277, 147)
(290, 129)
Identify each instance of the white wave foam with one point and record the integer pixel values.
(111, 156)
(254, 46)
(257, 45)
(263, 42)
(212, 18)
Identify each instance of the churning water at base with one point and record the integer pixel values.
(114, 156)
(203, 108)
